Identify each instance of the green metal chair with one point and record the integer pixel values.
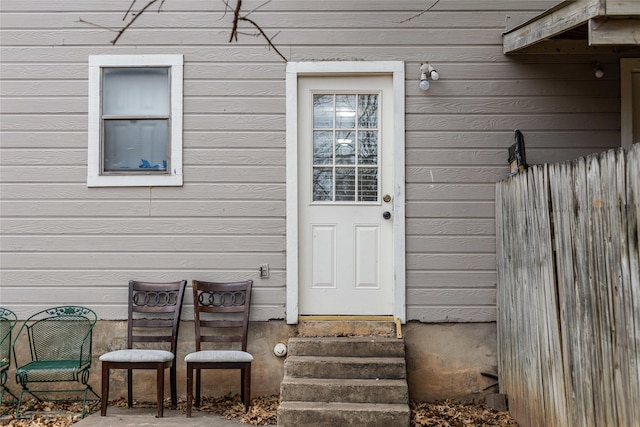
(59, 340)
(7, 322)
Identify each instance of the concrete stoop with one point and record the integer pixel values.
(336, 381)
(346, 328)
(335, 414)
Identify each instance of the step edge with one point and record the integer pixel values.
(350, 359)
(301, 404)
(364, 381)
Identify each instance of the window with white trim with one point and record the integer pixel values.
(135, 120)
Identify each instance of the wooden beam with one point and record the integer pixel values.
(622, 7)
(574, 47)
(517, 20)
(607, 32)
(568, 15)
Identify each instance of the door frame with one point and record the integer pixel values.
(335, 69)
(627, 67)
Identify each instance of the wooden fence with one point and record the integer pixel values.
(569, 292)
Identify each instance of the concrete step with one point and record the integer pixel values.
(354, 347)
(345, 367)
(334, 381)
(344, 390)
(346, 328)
(321, 414)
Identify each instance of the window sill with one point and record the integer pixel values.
(135, 181)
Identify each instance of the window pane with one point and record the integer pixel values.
(368, 184)
(135, 145)
(345, 148)
(346, 134)
(135, 91)
(368, 111)
(322, 148)
(345, 184)
(368, 147)
(345, 111)
(322, 184)
(323, 111)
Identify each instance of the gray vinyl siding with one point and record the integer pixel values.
(65, 243)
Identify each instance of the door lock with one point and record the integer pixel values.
(386, 198)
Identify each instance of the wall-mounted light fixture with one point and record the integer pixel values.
(426, 72)
(598, 71)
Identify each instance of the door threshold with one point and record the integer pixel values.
(318, 325)
(347, 318)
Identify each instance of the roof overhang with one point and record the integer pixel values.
(592, 22)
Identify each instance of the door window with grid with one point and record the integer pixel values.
(346, 138)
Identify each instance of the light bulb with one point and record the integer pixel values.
(435, 75)
(424, 83)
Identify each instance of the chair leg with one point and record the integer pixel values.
(246, 387)
(3, 387)
(84, 401)
(174, 392)
(189, 388)
(198, 379)
(242, 378)
(160, 388)
(105, 389)
(129, 388)
(18, 414)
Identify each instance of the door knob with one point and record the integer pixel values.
(386, 215)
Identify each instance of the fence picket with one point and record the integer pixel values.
(569, 291)
(633, 231)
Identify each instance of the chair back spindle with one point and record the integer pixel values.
(213, 304)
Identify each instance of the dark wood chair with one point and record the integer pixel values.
(221, 312)
(154, 317)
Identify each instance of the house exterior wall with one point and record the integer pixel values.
(67, 243)
(444, 361)
(63, 242)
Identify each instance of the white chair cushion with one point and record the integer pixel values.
(137, 355)
(219, 356)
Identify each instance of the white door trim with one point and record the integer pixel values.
(627, 67)
(332, 68)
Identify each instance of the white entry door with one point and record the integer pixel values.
(345, 191)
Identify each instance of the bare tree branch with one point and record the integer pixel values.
(130, 17)
(258, 7)
(104, 27)
(421, 13)
(244, 18)
(133, 2)
(236, 17)
(134, 17)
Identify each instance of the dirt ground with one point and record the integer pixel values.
(263, 412)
